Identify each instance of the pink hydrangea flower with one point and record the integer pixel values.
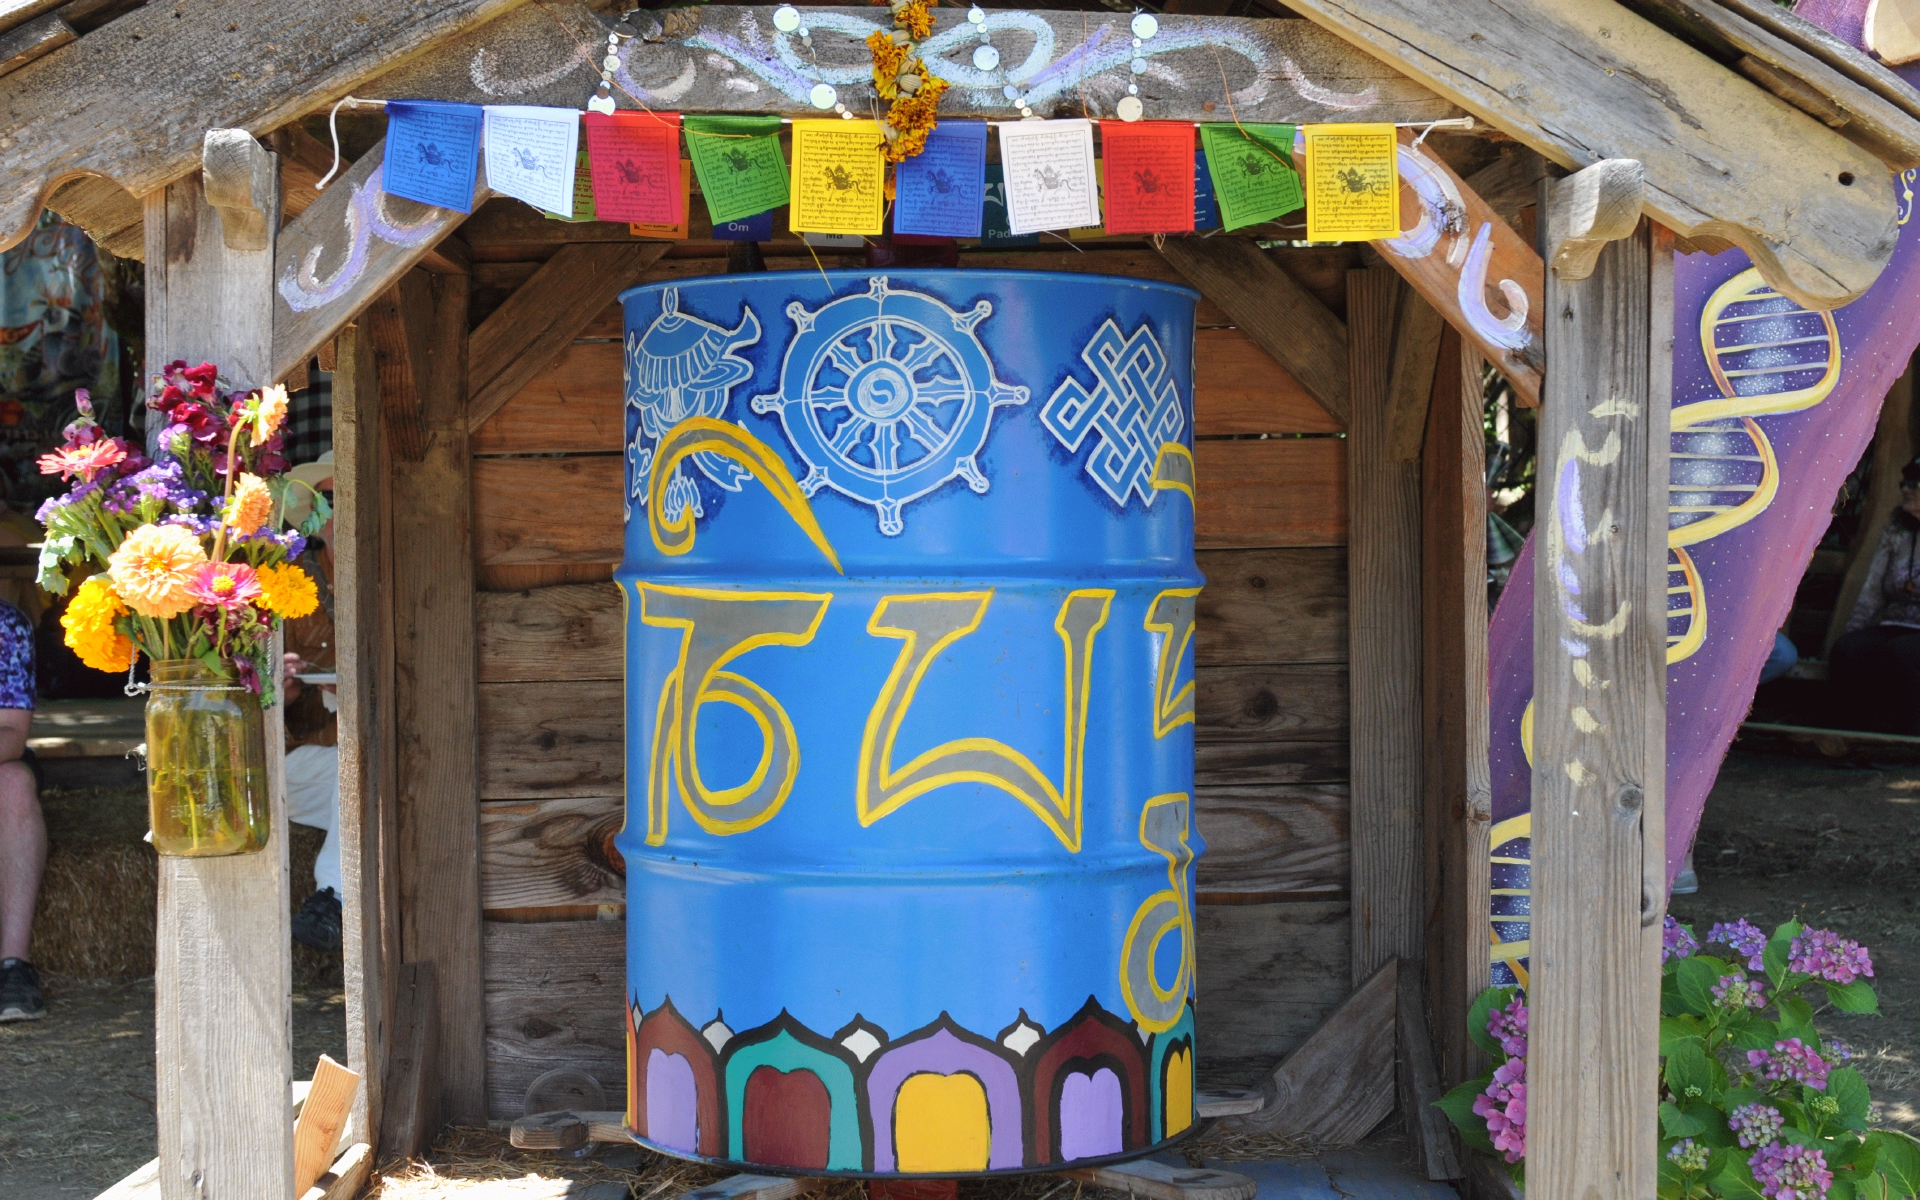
(1744, 937)
(1756, 1125)
(1824, 953)
(1508, 1026)
(1504, 1107)
(1787, 1172)
(1737, 991)
(1677, 941)
(1790, 1060)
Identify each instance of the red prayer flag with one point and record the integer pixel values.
(636, 167)
(1149, 176)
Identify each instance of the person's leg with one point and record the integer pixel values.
(23, 857)
(313, 798)
(1861, 679)
(1903, 655)
(1780, 659)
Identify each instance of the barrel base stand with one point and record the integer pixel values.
(1144, 1178)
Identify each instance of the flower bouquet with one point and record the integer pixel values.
(185, 560)
(1753, 1101)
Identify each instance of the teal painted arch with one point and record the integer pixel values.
(784, 1052)
(1163, 1044)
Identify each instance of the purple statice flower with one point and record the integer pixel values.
(1756, 1125)
(1504, 1107)
(1824, 953)
(1508, 1026)
(1790, 1060)
(248, 673)
(1744, 937)
(1788, 1172)
(1677, 941)
(1689, 1155)
(204, 526)
(1737, 992)
(167, 483)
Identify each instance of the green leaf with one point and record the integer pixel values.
(1674, 1030)
(1687, 1075)
(1842, 1189)
(1796, 1020)
(1483, 1006)
(1873, 1187)
(1755, 1035)
(1678, 1124)
(1849, 1090)
(1695, 977)
(1458, 1105)
(1897, 1157)
(1736, 1181)
(1855, 997)
(1774, 957)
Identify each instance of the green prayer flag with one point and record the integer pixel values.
(742, 172)
(1252, 169)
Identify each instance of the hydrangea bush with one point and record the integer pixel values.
(1753, 1101)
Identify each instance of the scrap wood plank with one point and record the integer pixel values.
(1580, 82)
(1339, 1083)
(1419, 1079)
(342, 1180)
(1158, 1181)
(178, 63)
(323, 1117)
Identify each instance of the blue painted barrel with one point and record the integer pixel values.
(910, 590)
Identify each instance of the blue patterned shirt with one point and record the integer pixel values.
(16, 658)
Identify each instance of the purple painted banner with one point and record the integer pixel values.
(1772, 406)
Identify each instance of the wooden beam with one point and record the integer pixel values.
(1511, 182)
(1590, 208)
(344, 1178)
(1892, 31)
(352, 244)
(1456, 788)
(1338, 1084)
(539, 321)
(1893, 448)
(411, 1114)
(241, 181)
(179, 78)
(1383, 537)
(110, 216)
(432, 593)
(399, 324)
(1281, 317)
(1599, 882)
(223, 961)
(18, 12)
(1580, 82)
(1419, 1082)
(1843, 57)
(1416, 351)
(24, 43)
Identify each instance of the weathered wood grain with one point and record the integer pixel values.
(349, 246)
(574, 631)
(1339, 1083)
(1263, 764)
(552, 739)
(1267, 305)
(1416, 348)
(1146, 1179)
(1238, 388)
(1418, 1080)
(538, 854)
(26, 42)
(1384, 647)
(1277, 70)
(1273, 839)
(506, 529)
(18, 12)
(410, 1117)
(1271, 703)
(554, 997)
(57, 122)
(110, 216)
(520, 578)
(1599, 722)
(1272, 606)
(1842, 56)
(221, 1106)
(1581, 82)
(323, 1118)
(1276, 492)
(1268, 975)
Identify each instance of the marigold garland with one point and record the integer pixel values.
(902, 78)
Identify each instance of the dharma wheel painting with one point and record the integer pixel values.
(910, 598)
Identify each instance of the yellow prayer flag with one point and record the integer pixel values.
(839, 178)
(1353, 182)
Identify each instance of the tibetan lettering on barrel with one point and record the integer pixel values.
(910, 599)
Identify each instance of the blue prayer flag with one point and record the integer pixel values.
(758, 228)
(994, 228)
(433, 152)
(1206, 210)
(939, 192)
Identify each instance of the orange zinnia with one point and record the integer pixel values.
(153, 568)
(252, 504)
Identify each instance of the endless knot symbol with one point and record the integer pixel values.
(1134, 407)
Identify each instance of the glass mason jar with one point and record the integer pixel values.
(206, 762)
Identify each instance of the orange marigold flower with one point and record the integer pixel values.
(251, 505)
(889, 59)
(89, 624)
(916, 18)
(153, 567)
(287, 591)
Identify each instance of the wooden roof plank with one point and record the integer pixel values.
(1829, 49)
(1581, 82)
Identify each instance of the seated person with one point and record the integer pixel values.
(1874, 667)
(23, 832)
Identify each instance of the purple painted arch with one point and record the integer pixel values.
(943, 1053)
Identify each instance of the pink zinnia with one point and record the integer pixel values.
(86, 461)
(225, 585)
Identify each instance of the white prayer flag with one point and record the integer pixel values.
(531, 154)
(1050, 180)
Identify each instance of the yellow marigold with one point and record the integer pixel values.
(889, 59)
(287, 591)
(90, 633)
(252, 504)
(272, 411)
(916, 18)
(152, 568)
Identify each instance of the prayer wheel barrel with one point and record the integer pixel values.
(910, 595)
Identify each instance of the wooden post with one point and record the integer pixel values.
(1599, 707)
(436, 732)
(1457, 790)
(223, 960)
(1383, 506)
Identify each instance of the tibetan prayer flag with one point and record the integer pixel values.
(757, 228)
(939, 192)
(433, 152)
(839, 178)
(677, 231)
(582, 193)
(1149, 176)
(1206, 212)
(994, 230)
(738, 159)
(1353, 182)
(1251, 168)
(1083, 233)
(531, 154)
(1050, 179)
(636, 166)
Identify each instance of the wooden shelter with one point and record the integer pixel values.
(1341, 656)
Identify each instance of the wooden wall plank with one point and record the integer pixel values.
(1253, 493)
(552, 739)
(1268, 975)
(1306, 702)
(587, 488)
(1272, 606)
(432, 593)
(1273, 839)
(1238, 388)
(574, 631)
(1263, 764)
(554, 996)
(535, 854)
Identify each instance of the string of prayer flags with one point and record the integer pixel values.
(433, 152)
(531, 154)
(1251, 167)
(582, 193)
(738, 159)
(636, 176)
(1353, 182)
(675, 231)
(1149, 178)
(940, 191)
(757, 228)
(1050, 180)
(839, 178)
(1206, 210)
(994, 229)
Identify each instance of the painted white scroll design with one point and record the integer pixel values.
(367, 217)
